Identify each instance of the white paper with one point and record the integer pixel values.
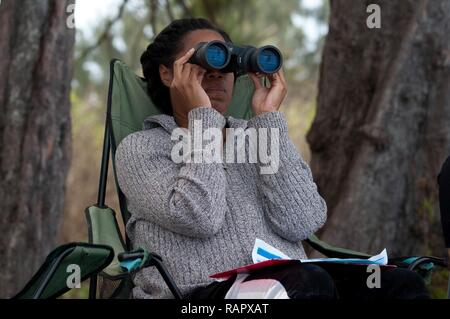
(263, 251)
(380, 259)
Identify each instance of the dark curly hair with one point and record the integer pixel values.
(163, 51)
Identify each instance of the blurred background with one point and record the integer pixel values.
(368, 107)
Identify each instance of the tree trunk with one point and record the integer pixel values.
(36, 49)
(381, 132)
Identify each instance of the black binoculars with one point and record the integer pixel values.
(227, 57)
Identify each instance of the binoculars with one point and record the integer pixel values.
(227, 57)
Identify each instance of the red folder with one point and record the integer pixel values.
(249, 268)
(332, 266)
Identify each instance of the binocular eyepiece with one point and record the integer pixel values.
(227, 57)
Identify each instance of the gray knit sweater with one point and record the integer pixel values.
(203, 218)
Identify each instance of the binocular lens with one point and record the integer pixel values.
(269, 60)
(217, 55)
(226, 57)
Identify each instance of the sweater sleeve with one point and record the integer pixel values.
(185, 198)
(294, 208)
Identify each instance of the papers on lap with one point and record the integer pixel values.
(265, 255)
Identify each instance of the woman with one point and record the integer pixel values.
(203, 218)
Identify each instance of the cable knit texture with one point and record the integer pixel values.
(203, 218)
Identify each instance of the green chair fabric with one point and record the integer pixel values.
(50, 281)
(104, 230)
(333, 251)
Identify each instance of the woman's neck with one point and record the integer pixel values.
(183, 122)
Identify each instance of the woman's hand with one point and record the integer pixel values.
(268, 99)
(186, 89)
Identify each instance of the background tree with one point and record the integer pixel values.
(382, 127)
(36, 50)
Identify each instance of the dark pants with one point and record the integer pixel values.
(310, 281)
(444, 199)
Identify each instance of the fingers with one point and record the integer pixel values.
(178, 65)
(186, 73)
(278, 81)
(197, 73)
(256, 79)
(275, 79)
(282, 78)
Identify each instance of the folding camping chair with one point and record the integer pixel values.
(50, 281)
(128, 106)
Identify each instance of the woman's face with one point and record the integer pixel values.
(218, 86)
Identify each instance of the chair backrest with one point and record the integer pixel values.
(129, 105)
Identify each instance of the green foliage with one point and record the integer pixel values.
(438, 284)
(427, 208)
(78, 293)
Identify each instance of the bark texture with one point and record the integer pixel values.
(36, 52)
(382, 129)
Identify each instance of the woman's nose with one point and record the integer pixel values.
(211, 74)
